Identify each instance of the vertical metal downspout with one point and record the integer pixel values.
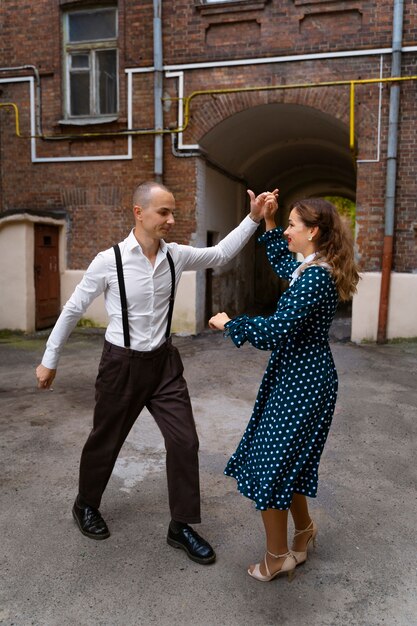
(158, 86)
(394, 107)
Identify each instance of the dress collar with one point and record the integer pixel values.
(297, 272)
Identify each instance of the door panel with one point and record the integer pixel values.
(47, 284)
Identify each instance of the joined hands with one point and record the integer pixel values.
(264, 206)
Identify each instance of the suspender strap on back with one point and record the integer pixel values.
(172, 297)
(123, 300)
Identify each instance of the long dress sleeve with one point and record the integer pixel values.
(280, 258)
(313, 290)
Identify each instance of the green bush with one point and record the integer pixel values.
(345, 207)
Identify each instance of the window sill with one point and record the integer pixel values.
(88, 121)
(229, 6)
(302, 2)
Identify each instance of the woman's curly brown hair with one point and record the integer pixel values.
(334, 242)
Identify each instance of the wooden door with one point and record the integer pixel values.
(47, 284)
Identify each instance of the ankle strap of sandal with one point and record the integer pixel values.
(278, 556)
(309, 528)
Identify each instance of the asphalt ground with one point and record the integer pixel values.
(362, 572)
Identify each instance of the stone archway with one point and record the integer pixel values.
(299, 149)
(295, 146)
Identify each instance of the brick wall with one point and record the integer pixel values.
(97, 194)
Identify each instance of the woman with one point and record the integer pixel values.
(276, 462)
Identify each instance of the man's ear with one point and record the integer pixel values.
(137, 212)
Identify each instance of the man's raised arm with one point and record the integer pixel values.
(227, 248)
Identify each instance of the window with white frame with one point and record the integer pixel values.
(91, 63)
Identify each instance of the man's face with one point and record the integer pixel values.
(157, 218)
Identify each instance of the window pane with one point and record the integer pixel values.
(92, 26)
(80, 61)
(80, 93)
(107, 81)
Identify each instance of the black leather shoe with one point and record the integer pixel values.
(189, 540)
(90, 522)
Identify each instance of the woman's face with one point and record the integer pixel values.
(297, 235)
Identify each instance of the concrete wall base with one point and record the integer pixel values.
(17, 278)
(402, 318)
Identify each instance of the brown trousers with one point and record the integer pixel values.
(127, 381)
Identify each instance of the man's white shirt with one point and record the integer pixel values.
(148, 289)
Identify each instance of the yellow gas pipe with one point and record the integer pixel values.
(187, 104)
(16, 115)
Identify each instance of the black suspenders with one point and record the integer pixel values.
(172, 296)
(123, 300)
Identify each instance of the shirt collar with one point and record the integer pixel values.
(133, 243)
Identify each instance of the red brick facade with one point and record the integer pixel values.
(97, 194)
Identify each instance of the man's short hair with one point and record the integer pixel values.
(143, 192)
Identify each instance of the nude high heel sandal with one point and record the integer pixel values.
(301, 557)
(287, 566)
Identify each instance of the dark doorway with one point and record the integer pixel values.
(47, 284)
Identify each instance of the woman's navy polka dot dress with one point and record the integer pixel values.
(280, 450)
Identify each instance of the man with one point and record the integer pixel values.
(149, 372)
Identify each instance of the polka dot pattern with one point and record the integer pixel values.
(280, 450)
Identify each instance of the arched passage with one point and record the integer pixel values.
(297, 148)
